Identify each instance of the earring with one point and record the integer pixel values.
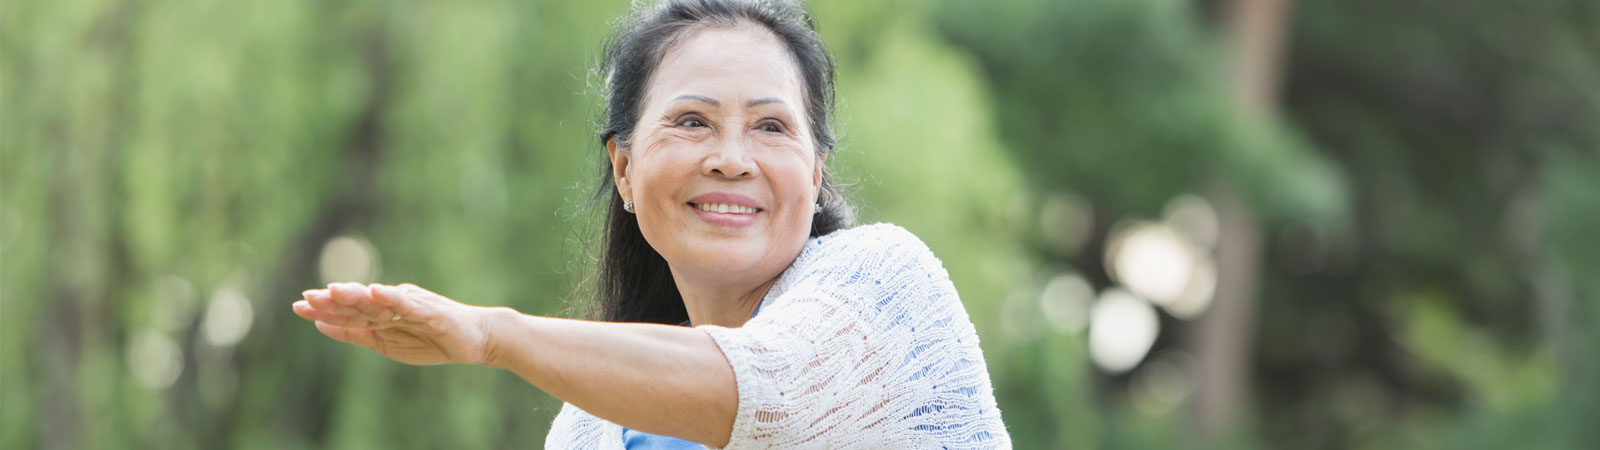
(818, 210)
(627, 205)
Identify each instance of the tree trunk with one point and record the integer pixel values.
(1224, 338)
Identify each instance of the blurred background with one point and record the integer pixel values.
(1315, 224)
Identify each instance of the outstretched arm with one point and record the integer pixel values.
(658, 379)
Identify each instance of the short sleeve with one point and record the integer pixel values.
(870, 347)
(574, 428)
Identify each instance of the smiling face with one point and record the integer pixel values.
(722, 168)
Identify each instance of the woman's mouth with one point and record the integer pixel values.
(724, 208)
(724, 214)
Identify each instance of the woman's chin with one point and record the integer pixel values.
(719, 259)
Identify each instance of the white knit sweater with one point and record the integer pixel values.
(861, 343)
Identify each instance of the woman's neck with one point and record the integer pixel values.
(721, 305)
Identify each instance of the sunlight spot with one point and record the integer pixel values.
(1194, 217)
(1152, 260)
(1122, 327)
(154, 359)
(1198, 292)
(228, 318)
(349, 258)
(1065, 302)
(1161, 385)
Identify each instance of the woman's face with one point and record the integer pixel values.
(722, 169)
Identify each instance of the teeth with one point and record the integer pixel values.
(725, 208)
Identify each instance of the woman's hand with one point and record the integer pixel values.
(405, 323)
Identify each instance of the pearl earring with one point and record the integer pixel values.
(627, 205)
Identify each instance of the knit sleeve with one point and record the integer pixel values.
(574, 428)
(870, 348)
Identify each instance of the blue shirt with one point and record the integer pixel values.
(639, 440)
(642, 440)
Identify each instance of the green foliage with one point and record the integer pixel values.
(158, 153)
(1121, 101)
(159, 159)
(1422, 265)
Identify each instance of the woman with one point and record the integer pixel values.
(735, 309)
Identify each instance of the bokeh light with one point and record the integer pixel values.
(1065, 302)
(1161, 385)
(349, 258)
(1152, 260)
(154, 359)
(1218, 224)
(1122, 327)
(1198, 292)
(1193, 216)
(228, 317)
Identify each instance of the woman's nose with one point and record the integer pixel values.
(730, 159)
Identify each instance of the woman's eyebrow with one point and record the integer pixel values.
(698, 98)
(714, 102)
(765, 100)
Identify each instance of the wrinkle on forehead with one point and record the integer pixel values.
(731, 48)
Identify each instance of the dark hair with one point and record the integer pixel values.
(635, 284)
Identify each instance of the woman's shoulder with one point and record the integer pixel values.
(864, 260)
(878, 241)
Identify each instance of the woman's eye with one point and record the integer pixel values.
(771, 128)
(692, 123)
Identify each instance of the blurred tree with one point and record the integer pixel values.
(174, 172)
(1440, 114)
(1126, 104)
(1450, 116)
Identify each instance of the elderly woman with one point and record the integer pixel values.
(736, 310)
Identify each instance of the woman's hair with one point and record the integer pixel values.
(635, 284)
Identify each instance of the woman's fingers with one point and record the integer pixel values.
(358, 336)
(405, 323)
(322, 300)
(304, 309)
(352, 295)
(397, 304)
(365, 302)
(349, 305)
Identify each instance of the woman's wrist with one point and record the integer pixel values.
(498, 323)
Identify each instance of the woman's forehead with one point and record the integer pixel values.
(727, 64)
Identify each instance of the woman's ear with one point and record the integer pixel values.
(619, 169)
(816, 176)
